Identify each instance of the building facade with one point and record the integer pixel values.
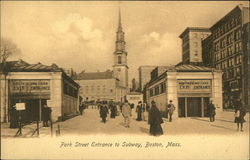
(207, 51)
(145, 74)
(189, 87)
(37, 85)
(100, 86)
(228, 53)
(191, 44)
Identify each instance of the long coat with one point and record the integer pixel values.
(126, 110)
(103, 111)
(155, 120)
(46, 113)
(211, 109)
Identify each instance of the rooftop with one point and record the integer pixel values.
(94, 75)
(22, 66)
(194, 29)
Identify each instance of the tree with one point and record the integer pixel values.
(8, 48)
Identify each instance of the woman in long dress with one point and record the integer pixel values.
(155, 120)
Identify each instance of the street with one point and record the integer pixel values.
(90, 123)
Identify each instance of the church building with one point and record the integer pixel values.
(108, 85)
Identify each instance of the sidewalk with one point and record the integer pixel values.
(27, 131)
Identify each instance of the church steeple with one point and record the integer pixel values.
(120, 56)
(120, 42)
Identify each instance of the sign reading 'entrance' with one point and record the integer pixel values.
(29, 86)
(194, 86)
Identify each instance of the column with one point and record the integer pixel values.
(202, 106)
(186, 107)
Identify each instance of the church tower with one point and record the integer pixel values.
(120, 67)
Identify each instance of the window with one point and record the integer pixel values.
(223, 42)
(119, 60)
(157, 90)
(151, 92)
(237, 34)
(238, 47)
(230, 38)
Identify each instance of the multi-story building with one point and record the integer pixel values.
(207, 50)
(100, 86)
(145, 74)
(246, 63)
(191, 44)
(228, 53)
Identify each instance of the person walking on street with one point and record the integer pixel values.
(144, 111)
(211, 110)
(46, 115)
(112, 110)
(81, 108)
(139, 111)
(13, 117)
(155, 120)
(171, 109)
(126, 112)
(240, 113)
(104, 111)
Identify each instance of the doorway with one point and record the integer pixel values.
(193, 106)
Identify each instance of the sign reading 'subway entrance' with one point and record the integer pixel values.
(194, 86)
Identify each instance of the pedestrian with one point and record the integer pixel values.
(155, 120)
(13, 117)
(211, 111)
(126, 112)
(144, 111)
(104, 111)
(171, 109)
(139, 111)
(81, 108)
(46, 114)
(112, 110)
(240, 113)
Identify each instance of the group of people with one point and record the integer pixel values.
(239, 113)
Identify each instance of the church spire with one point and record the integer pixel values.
(120, 42)
(119, 21)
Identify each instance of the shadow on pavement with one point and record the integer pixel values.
(200, 119)
(222, 127)
(144, 130)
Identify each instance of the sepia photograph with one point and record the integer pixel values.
(124, 80)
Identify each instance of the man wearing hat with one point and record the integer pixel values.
(171, 109)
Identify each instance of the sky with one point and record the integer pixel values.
(81, 34)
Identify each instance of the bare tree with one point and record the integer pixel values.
(8, 48)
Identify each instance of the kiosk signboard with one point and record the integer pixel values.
(194, 86)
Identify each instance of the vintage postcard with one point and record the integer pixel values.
(125, 80)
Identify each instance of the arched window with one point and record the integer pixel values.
(119, 60)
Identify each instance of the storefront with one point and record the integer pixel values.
(189, 87)
(37, 85)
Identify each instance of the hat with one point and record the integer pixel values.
(153, 102)
(170, 101)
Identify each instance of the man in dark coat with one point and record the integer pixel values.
(46, 115)
(211, 110)
(13, 117)
(155, 120)
(104, 112)
(139, 111)
(112, 110)
(81, 108)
